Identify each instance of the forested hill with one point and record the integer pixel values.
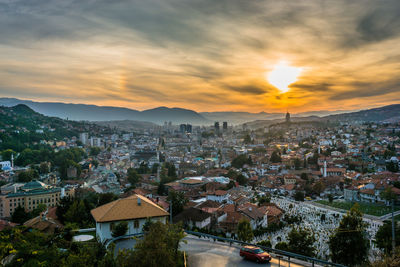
(21, 127)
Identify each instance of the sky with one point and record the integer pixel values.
(204, 55)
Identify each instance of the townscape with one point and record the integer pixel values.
(199, 133)
(281, 177)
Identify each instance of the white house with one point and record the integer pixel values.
(135, 210)
(218, 196)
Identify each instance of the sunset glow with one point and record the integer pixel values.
(282, 75)
(146, 54)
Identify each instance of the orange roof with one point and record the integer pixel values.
(127, 209)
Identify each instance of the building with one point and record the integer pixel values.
(84, 138)
(135, 210)
(182, 128)
(216, 127)
(288, 117)
(95, 141)
(218, 196)
(30, 196)
(225, 126)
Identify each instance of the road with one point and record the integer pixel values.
(206, 253)
(203, 253)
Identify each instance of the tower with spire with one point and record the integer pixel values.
(287, 117)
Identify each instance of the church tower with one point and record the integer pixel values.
(288, 117)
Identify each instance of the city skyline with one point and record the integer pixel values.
(202, 55)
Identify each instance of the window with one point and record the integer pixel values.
(136, 223)
(112, 225)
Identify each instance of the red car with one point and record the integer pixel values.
(254, 254)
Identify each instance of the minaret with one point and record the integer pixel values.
(325, 168)
(12, 160)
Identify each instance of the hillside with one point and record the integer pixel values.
(22, 127)
(104, 113)
(387, 113)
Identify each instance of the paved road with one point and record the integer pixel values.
(203, 253)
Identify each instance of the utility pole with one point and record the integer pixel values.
(393, 231)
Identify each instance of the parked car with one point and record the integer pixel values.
(255, 254)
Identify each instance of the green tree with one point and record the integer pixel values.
(133, 177)
(241, 160)
(383, 237)
(178, 200)
(247, 139)
(106, 198)
(241, 179)
(44, 168)
(20, 215)
(349, 244)
(6, 154)
(275, 157)
(158, 248)
(301, 241)
(27, 176)
(120, 229)
(297, 163)
(330, 198)
(94, 151)
(299, 196)
(265, 243)
(244, 231)
(282, 246)
(304, 176)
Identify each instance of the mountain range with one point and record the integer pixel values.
(179, 115)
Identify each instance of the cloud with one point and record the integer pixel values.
(202, 54)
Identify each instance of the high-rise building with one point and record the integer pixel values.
(84, 138)
(216, 126)
(188, 128)
(182, 128)
(225, 125)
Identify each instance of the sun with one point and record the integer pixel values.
(282, 75)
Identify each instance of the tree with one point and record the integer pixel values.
(383, 237)
(392, 167)
(143, 168)
(133, 177)
(301, 241)
(106, 198)
(389, 260)
(299, 196)
(241, 160)
(304, 176)
(178, 200)
(349, 244)
(264, 199)
(158, 248)
(330, 198)
(94, 151)
(6, 154)
(282, 246)
(244, 231)
(297, 163)
(241, 179)
(27, 176)
(20, 215)
(247, 139)
(44, 167)
(265, 243)
(318, 188)
(120, 229)
(275, 158)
